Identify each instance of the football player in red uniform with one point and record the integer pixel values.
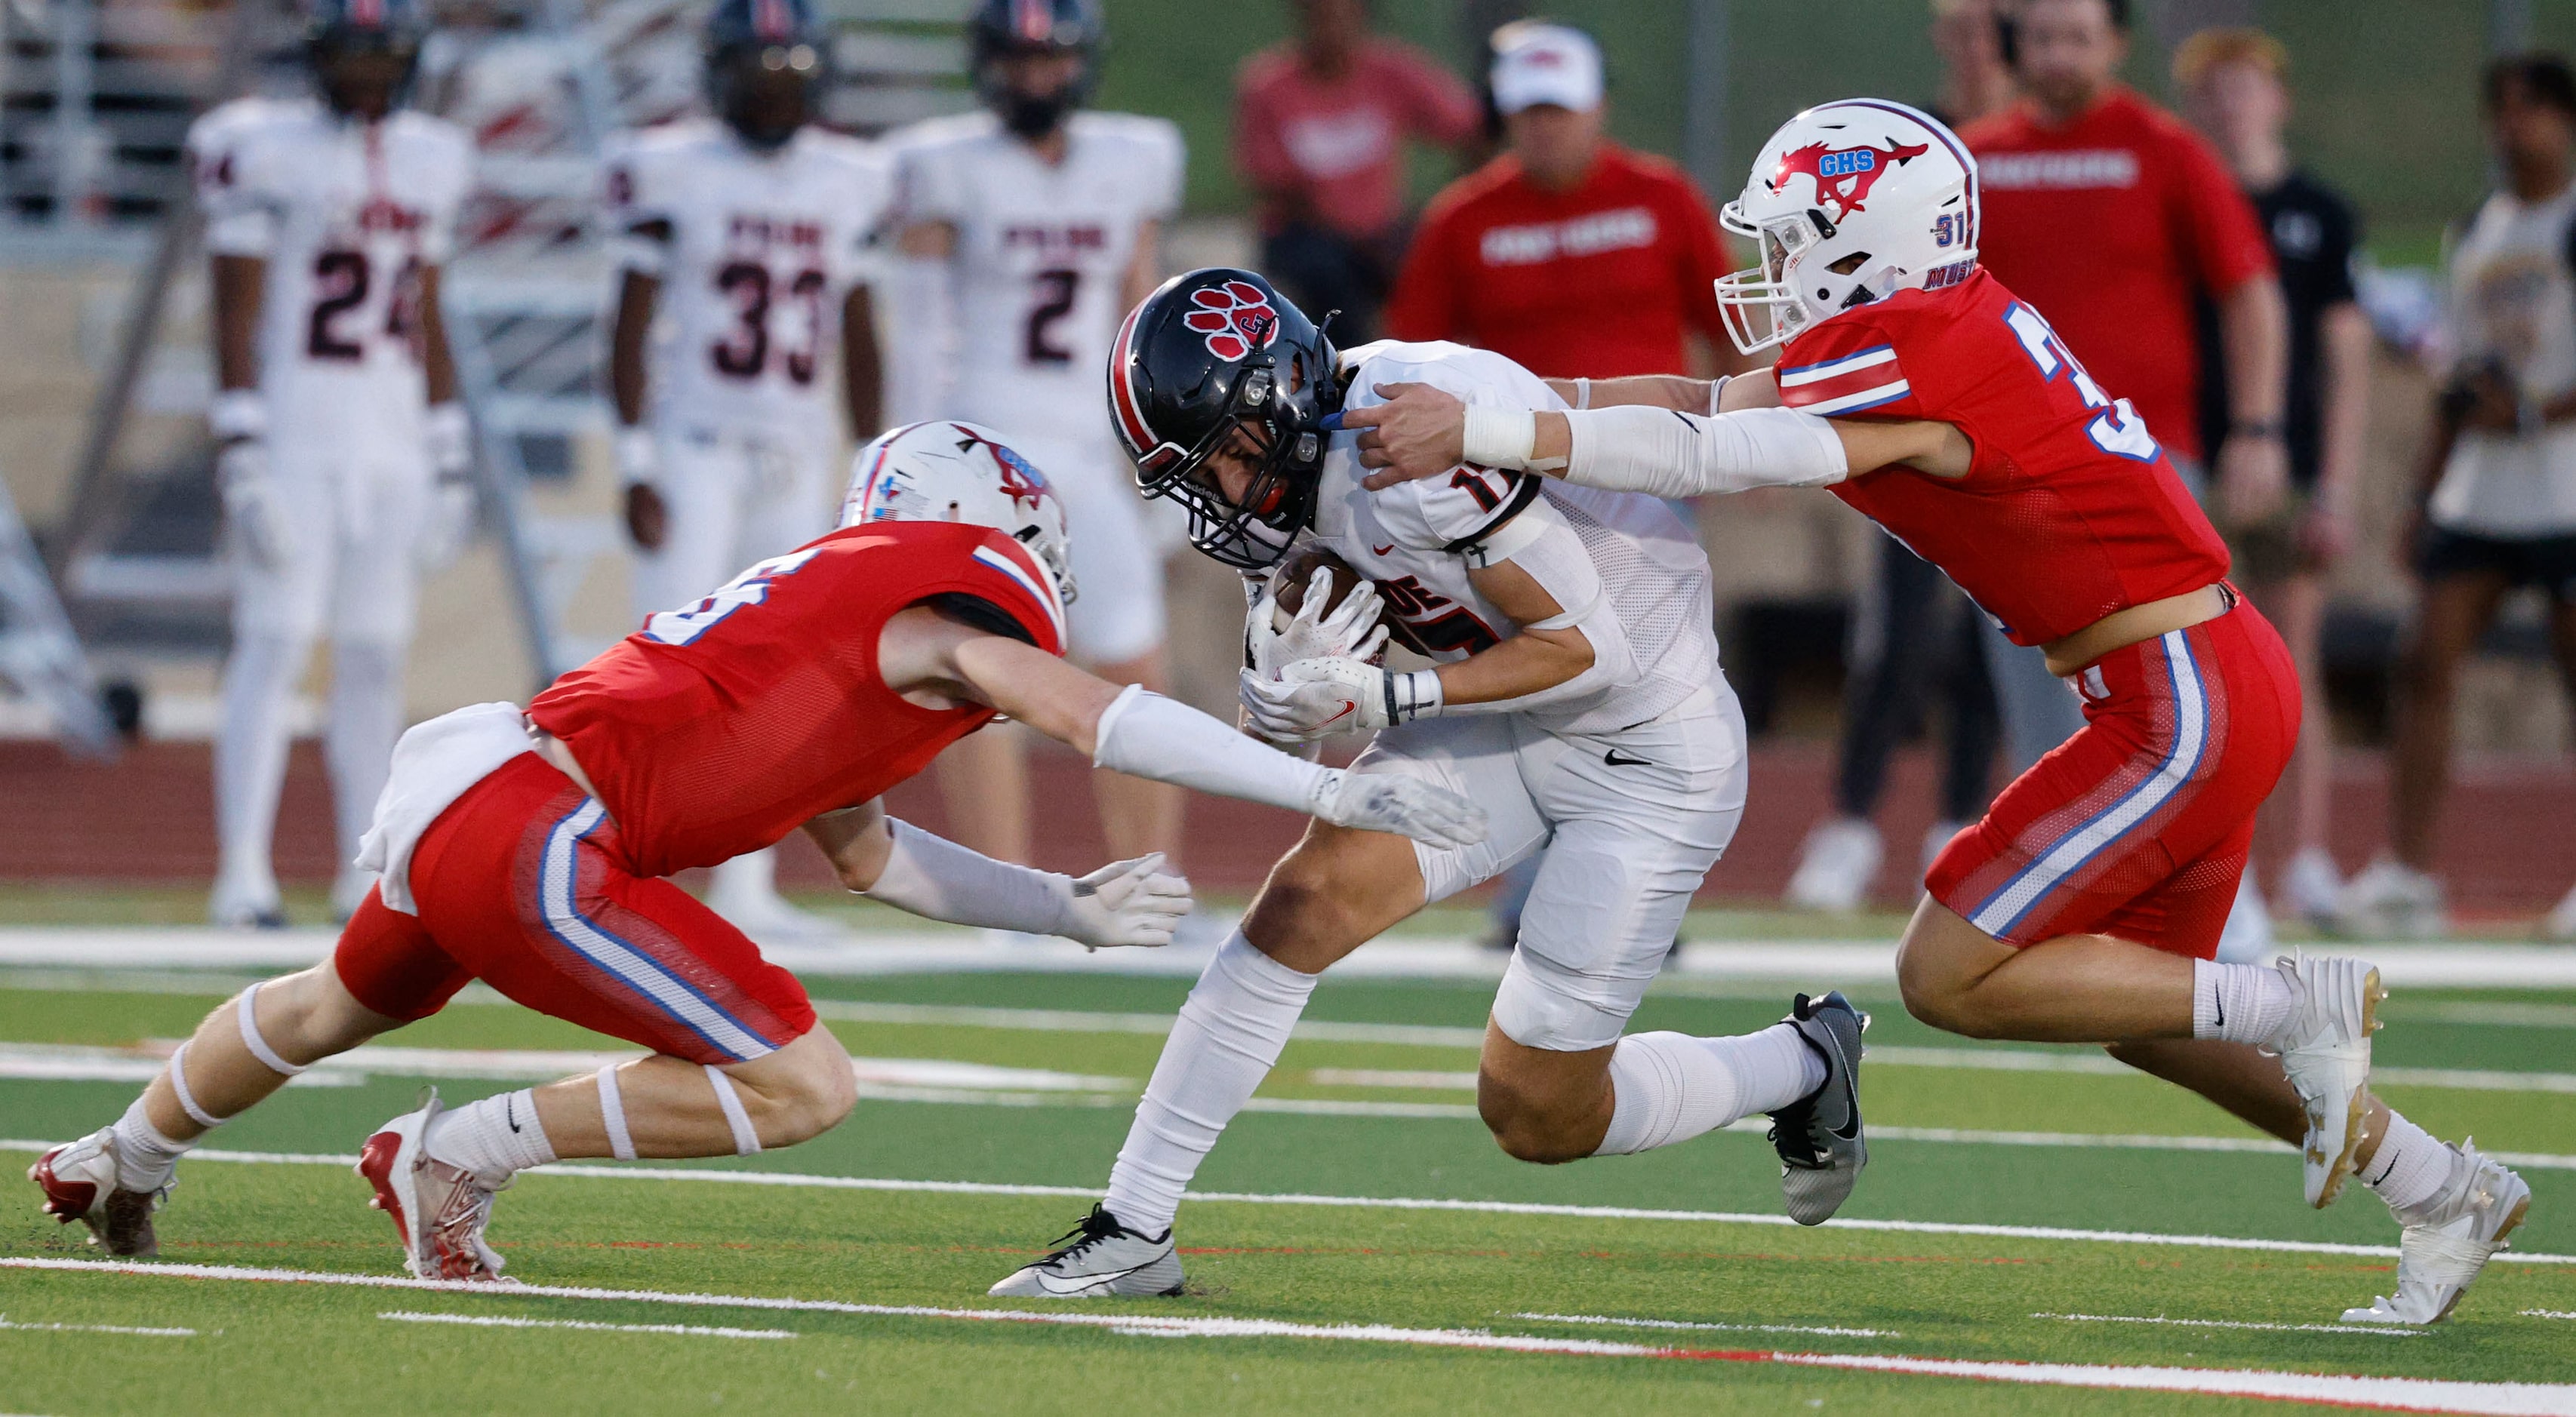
(528, 849)
(2087, 904)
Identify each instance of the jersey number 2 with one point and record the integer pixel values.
(2118, 430)
(1051, 295)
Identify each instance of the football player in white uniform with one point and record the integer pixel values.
(1578, 701)
(1026, 230)
(342, 454)
(745, 230)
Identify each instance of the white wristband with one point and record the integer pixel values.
(638, 456)
(1499, 437)
(1717, 393)
(1582, 392)
(237, 413)
(1414, 694)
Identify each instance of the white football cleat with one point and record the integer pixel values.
(1836, 866)
(1099, 1259)
(79, 1182)
(239, 902)
(2439, 1256)
(439, 1210)
(2311, 886)
(2391, 900)
(2325, 1050)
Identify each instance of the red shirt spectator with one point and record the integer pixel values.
(1330, 148)
(2110, 224)
(1601, 280)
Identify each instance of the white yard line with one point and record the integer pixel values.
(7, 1326)
(497, 1321)
(1609, 1321)
(2367, 1330)
(625, 1172)
(2547, 1314)
(2410, 1394)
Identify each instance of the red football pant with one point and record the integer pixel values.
(523, 884)
(2138, 826)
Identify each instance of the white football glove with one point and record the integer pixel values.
(254, 503)
(1351, 631)
(1405, 806)
(1125, 903)
(1313, 698)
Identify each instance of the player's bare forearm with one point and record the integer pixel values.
(627, 340)
(239, 285)
(437, 360)
(1673, 391)
(1145, 270)
(862, 365)
(1530, 662)
(855, 840)
(1035, 687)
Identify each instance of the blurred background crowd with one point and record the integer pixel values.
(2327, 249)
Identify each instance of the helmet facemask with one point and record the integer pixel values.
(764, 92)
(1262, 426)
(1761, 304)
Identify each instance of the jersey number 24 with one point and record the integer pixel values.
(2118, 430)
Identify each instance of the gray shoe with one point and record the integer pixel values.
(1819, 1137)
(1105, 1260)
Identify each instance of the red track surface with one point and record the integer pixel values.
(2510, 847)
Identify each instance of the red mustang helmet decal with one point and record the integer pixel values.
(1843, 175)
(1020, 478)
(1236, 319)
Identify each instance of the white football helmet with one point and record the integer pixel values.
(960, 472)
(1850, 202)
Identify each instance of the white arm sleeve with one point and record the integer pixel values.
(937, 879)
(1146, 735)
(1552, 554)
(1668, 454)
(921, 322)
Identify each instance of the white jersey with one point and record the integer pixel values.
(1415, 539)
(760, 253)
(1042, 250)
(346, 214)
(2513, 306)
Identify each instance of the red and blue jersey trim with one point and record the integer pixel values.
(1853, 382)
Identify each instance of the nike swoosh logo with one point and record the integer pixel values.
(1048, 1282)
(1613, 759)
(510, 1111)
(1348, 708)
(2219, 1005)
(1383, 550)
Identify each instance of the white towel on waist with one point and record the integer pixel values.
(433, 766)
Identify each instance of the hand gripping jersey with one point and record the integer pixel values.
(1041, 251)
(761, 251)
(2070, 510)
(346, 214)
(724, 725)
(1416, 540)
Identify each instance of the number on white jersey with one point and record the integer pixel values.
(681, 626)
(2118, 430)
(342, 280)
(744, 351)
(1052, 296)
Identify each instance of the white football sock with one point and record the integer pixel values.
(1223, 1044)
(144, 1157)
(2412, 1166)
(358, 741)
(2240, 1003)
(250, 752)
(493, 1138)
(1670, 1087)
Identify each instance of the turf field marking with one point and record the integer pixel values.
(2547, 1314)
(1717, 1327)
(2405, 1394)
(619, 1172)
(496, 1321)
(2376, 1331)
(7, 1326)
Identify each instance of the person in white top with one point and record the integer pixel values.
(2498, 483)
(342, 455)
(744, 233)
(1026, 230)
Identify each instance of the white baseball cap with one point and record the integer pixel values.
(1537, 63)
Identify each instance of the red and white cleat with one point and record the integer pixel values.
(439, 1210)
(79, 1182)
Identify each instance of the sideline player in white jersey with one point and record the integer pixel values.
(746, 230)
(1026, 230)
(1578, 701)
(342, 454)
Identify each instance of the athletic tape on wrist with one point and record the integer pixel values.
(258, 1046)
(1717, 393)
(612, 1115)
(1582, 392)
(1498, 437)
(746, 1140)
(187, 1099)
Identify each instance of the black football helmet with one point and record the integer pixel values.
(763, 58)
(364, 52)
(1209, 356)
(1003, 29)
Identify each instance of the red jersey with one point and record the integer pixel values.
(2069, 511)
(721, 727)
(1601, 281)
(1332, 150)
(2113, 224)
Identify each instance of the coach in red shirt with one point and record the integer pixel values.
(2109, 215)
(1568, 254)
